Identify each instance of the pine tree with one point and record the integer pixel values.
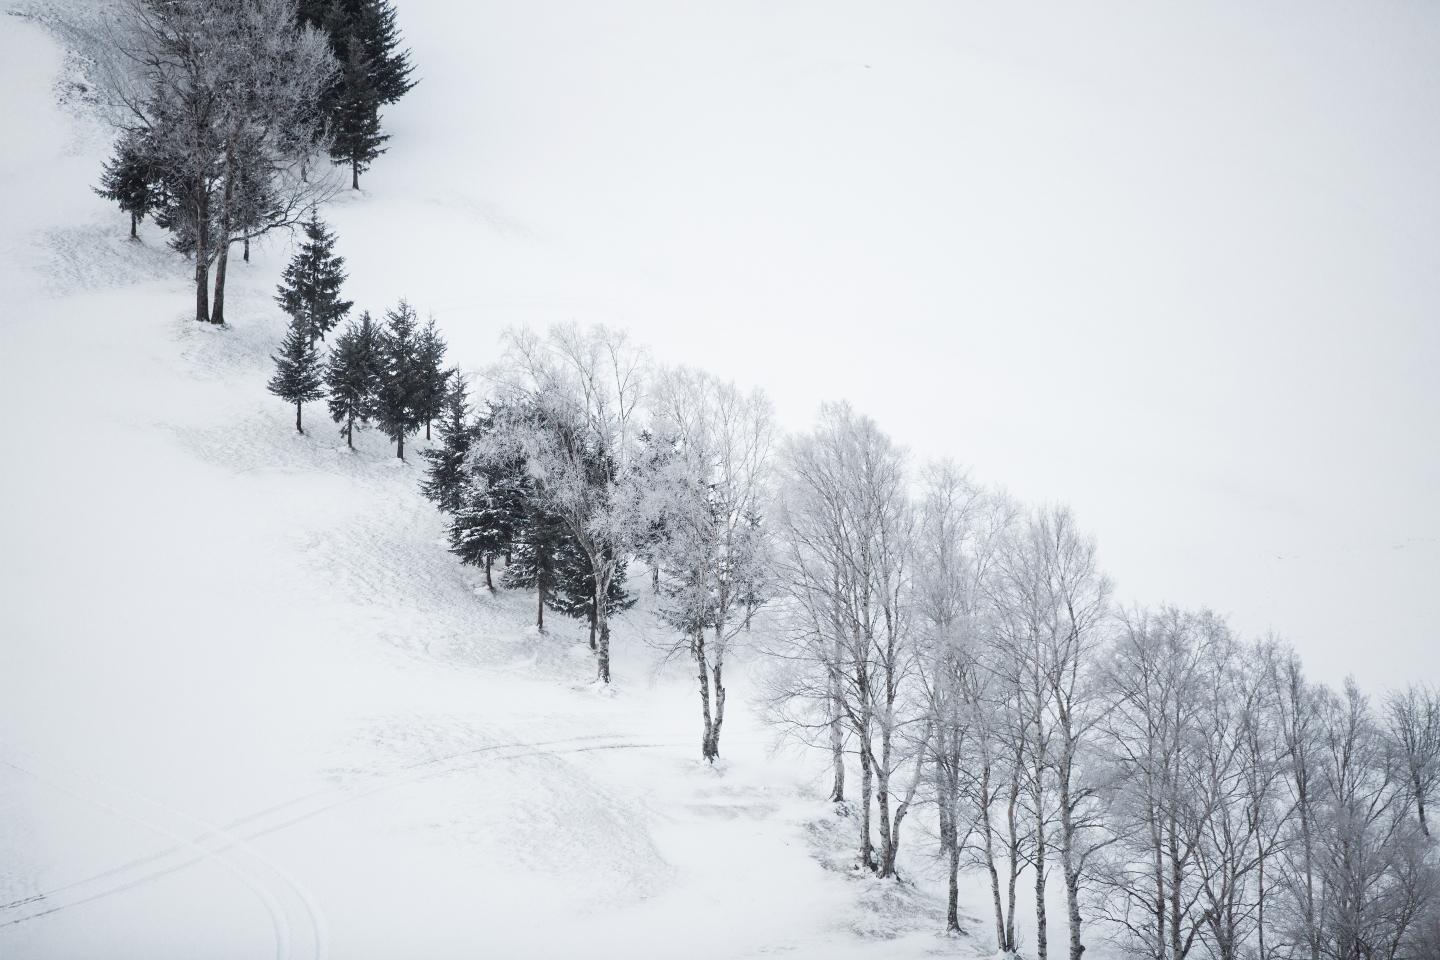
(355, 114)
(486, 521)
(310, 292)
(131, 180)
(365, 40)
(432, 382)
(448, 475)
(395, 407)
(353, 375)
(299, 374)
(574, 593)
(539, 540)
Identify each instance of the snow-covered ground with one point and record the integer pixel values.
(249, 703)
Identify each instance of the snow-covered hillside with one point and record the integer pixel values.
(250, 704)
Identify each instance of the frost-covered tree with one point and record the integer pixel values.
(844, 563)
(353, 375)
(299, 374)
(574, 589)
(310, 287)
(224, 94)
(395, 407)
(1413, 725)
(570, 409)
(710, 492)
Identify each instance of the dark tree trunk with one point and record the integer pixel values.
(488, 583)
(217, 313)
(202, 255)
(247, 250)
(400, 446)
(133, 234)
(594, 623)
(867, 781)
(350, 433)
(354, 174)
(298, 428)
(427, 429)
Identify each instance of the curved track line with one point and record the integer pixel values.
(275, 828)
(278, 918)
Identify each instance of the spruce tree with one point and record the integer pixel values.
(432, 382)
(448, 475)
(574, 593)
(131, 180)
(353, 375)
(299, 374)
(395, 408)
(355, 114)
(538, 543)
(365, 40)
(310, 292)
(486, 520)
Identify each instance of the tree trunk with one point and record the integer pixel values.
(716, 669)
(699, 647)
(354, 174)
(605, 570)
(298, 428)
(488, 584)
(1013, 850)
(202, 254)
(837, 746)
(350, 433)
(1042, 943)
(952, 909)
(540, 603)
(247, 249)
(989, 832)
(867, 849)
(882, 796)
(594, 626)
(217, 312)
(133, 234)
(400, 446)
(427, 429)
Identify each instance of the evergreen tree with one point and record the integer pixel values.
(375, 71)
(539, 540)
(486, 521)
(432, 383)
(448, 474)
(353, 375)
(574, 593)
(395, 408)
(299, 374)
(310, 292)
(131, 180)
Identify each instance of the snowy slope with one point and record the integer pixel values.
(249, 704)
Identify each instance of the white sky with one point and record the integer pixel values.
(1176, 266)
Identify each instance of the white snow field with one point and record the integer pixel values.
(250, 706)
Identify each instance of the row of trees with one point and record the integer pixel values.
(1193, 790)
(228, 109)
(963, 653)
(391, 373)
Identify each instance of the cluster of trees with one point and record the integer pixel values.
(390, 373)
(1190, 790)
(227, 109)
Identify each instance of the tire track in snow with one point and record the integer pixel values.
(411, 773)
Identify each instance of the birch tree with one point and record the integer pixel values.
(570, 408)
(712, 492)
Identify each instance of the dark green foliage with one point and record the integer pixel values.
(299, 374)
(375, 71)
(432, 384)
(310, 292)
(574, 593)
(538, 540)
(395, 408)
(132, 180)
(353, 374)
(355, 117)
(448, 475)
